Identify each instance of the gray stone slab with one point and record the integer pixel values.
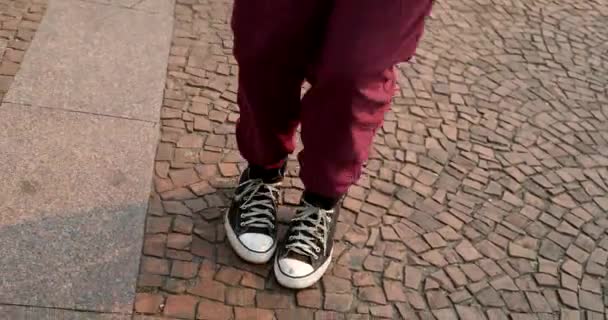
(153, 6)
(3, 45)
(158, 6)
(73, 194)
(96, 58)
(29, 313)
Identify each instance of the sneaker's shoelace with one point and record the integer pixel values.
(309, 228)
(257, 209)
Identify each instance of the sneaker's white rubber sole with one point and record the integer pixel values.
(301, 282)
(242, 251)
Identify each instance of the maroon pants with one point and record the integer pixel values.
(346, 50)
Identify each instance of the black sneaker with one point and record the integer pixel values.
(251, 220)
(306, 252)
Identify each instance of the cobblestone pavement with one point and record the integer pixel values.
(486, 196)
(19, 20)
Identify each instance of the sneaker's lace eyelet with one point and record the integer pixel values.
(242, 224)
(318, 249)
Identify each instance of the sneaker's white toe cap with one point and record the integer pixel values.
(295, 268)
(257, 242)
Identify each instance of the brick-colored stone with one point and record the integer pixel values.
(382, 311)
(338, 301)
(148, 302)
(516, 301)
(229, 276)
(373, 263)
(413, 277)
(209, 289)
(155, 266)
(183, 177)
(240, 297)
(211, 310)
(466, 250)
(336, 285)
(267, 300)
(180, 306)
(568, 298)
(591, 301)
(518, 251)
(573, 268)
(361, 279)
(310, 298)
(372, 294)
(473, 313)
(149, 280)
(538, 303)
(489, 297)
(394, 291)
(251, 280)
(295, 313)
(184, 269)
(253, 314)
(154, 245)
(437, 299)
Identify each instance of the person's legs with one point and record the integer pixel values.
(352, 86)
(274, 42)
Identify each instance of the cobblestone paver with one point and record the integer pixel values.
(19, 20)
(486, 196)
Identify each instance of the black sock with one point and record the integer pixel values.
(272, 175)
(320, 201)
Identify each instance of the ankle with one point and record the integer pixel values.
(267, 174)
(317, 200)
